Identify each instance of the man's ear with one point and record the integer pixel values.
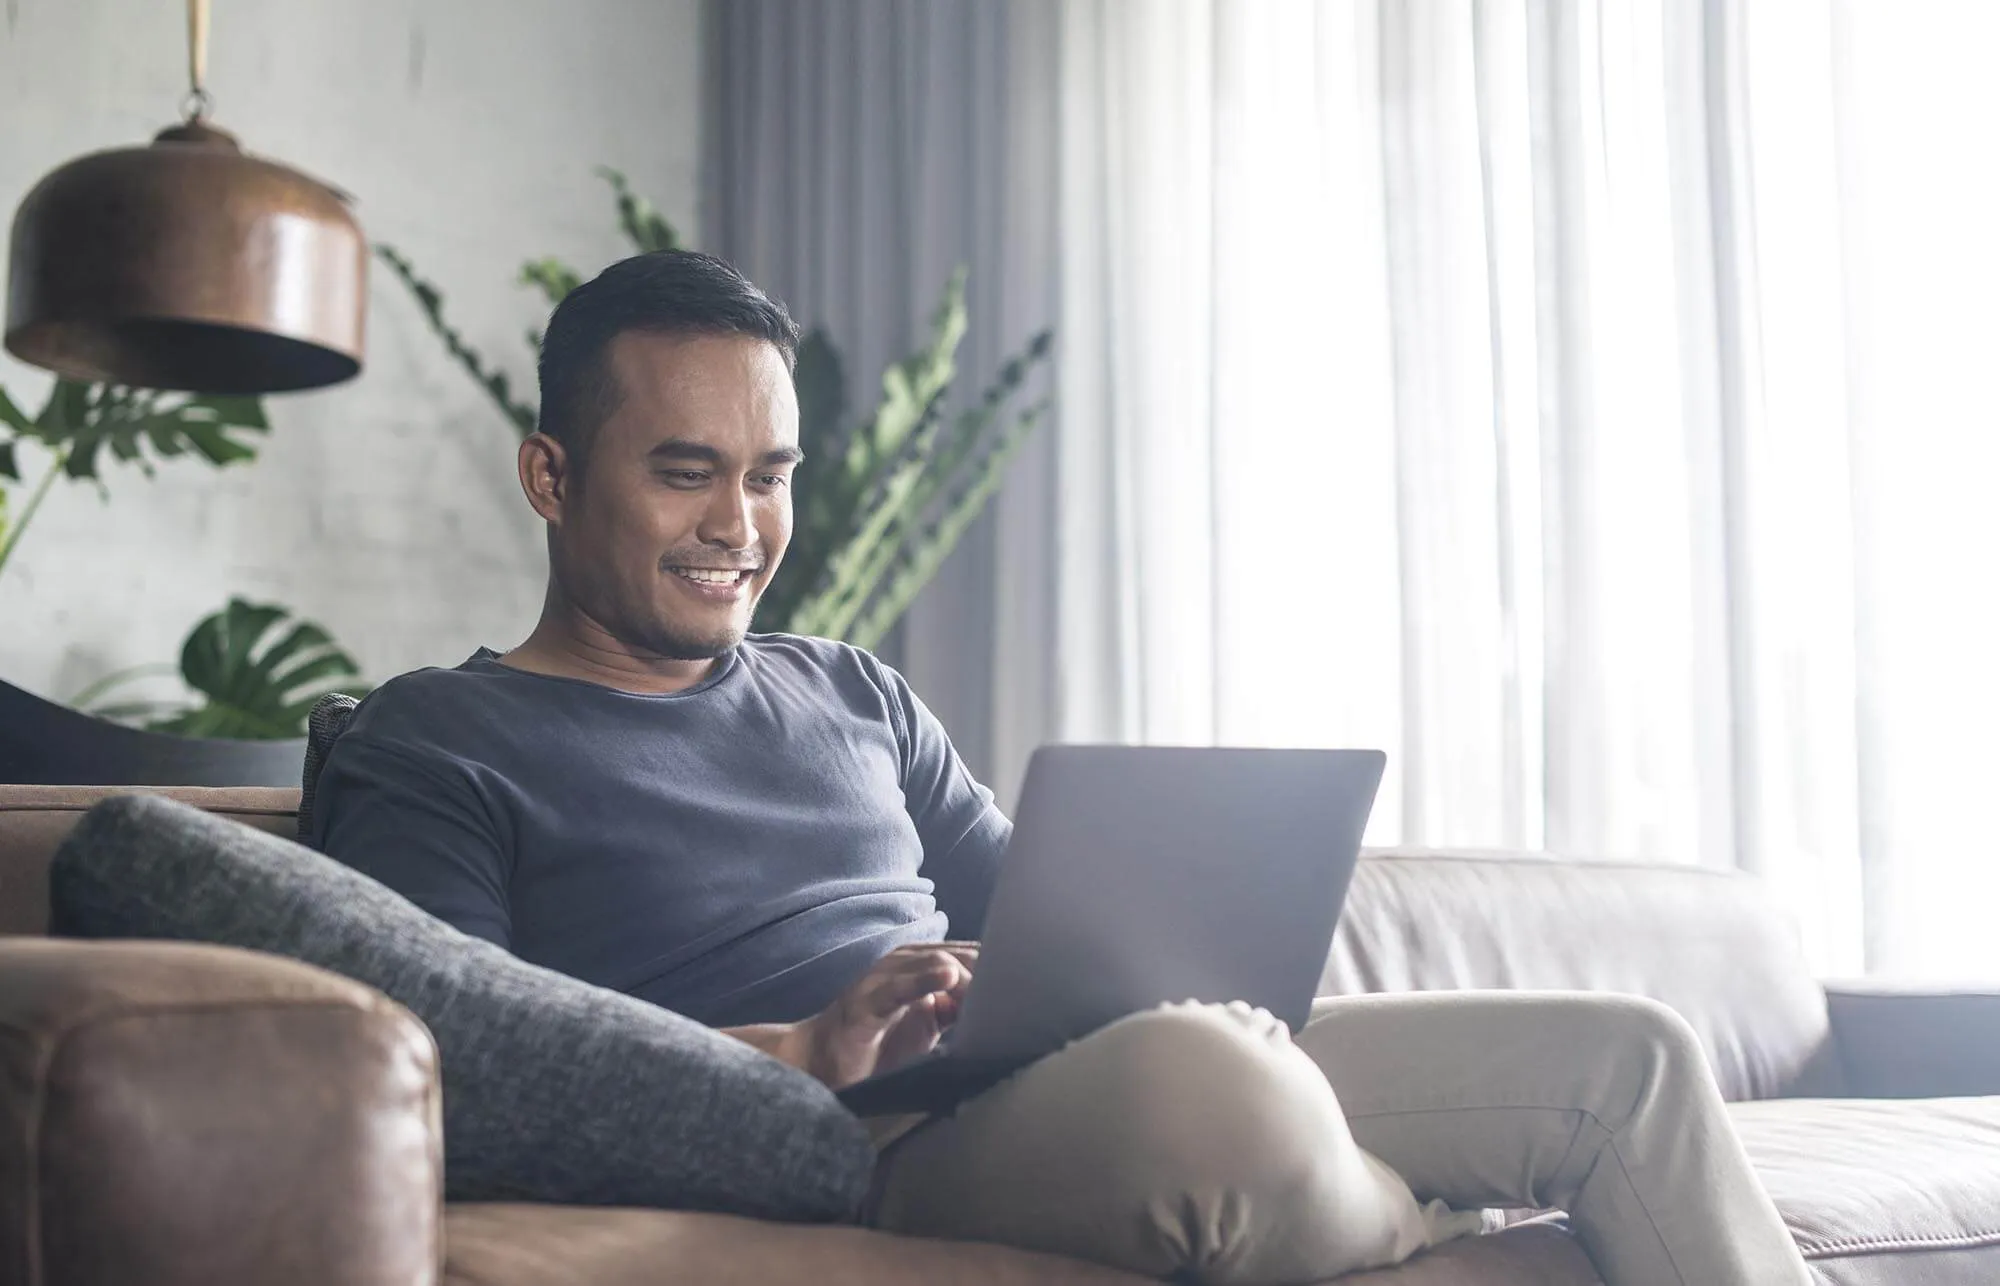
(545, 478)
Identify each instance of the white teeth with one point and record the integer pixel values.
(706, 576)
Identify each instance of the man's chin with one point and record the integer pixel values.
(684, 644)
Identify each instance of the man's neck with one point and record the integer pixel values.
(567, 644)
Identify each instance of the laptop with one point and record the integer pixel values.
(1143, 875)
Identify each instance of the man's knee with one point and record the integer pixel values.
(1208, 1094)
(1649, 1031)
(1192, 1139)
(1647, 1056)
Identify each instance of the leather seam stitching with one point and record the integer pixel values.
(54, 1035)
(45, 1051)
(1554, 863)
(84, 808)
(1821, 1249)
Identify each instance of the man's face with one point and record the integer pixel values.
(685, 504)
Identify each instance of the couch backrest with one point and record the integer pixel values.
(1708, 943)
(34, 819)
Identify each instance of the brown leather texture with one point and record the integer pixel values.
(1884, 1192)
(519, 1245)
(178, 1114)
(34, 820)
(1708, 943)
(1916, 1042)
(524, 1245)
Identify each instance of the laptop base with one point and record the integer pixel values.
(930, 1085)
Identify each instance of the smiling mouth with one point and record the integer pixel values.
(714, 575)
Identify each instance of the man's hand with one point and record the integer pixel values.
(895, 1013)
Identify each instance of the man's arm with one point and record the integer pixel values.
(418, 827)
(963, 832)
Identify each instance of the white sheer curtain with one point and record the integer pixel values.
(1583, 400)
(1920, 221)
(1587, 401)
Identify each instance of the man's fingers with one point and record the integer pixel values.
(888, 990)
(966, 953)
(929, 956)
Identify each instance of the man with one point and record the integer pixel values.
(772, 835)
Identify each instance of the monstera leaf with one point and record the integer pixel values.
(259, 669)
(81, 421)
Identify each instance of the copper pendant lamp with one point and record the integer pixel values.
(188, 264)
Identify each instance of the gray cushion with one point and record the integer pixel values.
(329, 718)
(554, 1090)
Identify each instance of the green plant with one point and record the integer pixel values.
(258, 671)
(80, 422)
(249, 684)
(878, 504)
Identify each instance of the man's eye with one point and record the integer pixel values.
(685, 477)
(773, 480)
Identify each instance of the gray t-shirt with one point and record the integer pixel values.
(738, 852)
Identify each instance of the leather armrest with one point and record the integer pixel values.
(178, 1114)
(1916, 1042)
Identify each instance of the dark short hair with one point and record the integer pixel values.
(664, 291)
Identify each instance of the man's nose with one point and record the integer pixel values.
(726, 522)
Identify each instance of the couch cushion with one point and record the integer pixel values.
(1707, 943)
(1884, 1191)
(554, 1090)
(519, 1245)
(34, 819)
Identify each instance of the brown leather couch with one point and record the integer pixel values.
(181, 1114)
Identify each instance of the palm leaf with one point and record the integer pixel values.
(867, 542)
(861, 485)
(879, 535)
(637, 219)
(522, 415)
(909, 389)
(553, 278)
(10, 415)
(818, 515)
(926, 555)
(86, 420)
(260, 670)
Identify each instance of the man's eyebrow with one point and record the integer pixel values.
(685, 449)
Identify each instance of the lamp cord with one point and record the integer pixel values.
(197, 103)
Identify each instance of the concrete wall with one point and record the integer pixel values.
(386, 508)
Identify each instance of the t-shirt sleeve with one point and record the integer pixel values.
(963, 831)
(418, 827)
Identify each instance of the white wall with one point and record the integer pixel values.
(385, 508)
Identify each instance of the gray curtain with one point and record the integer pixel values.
(856, 152)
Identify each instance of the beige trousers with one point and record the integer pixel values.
(1202, 1142)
